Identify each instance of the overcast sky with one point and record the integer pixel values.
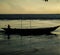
(29, 7)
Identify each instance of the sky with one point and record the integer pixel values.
(29, 7)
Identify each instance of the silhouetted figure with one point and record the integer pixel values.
(8, 32)
(8, 26)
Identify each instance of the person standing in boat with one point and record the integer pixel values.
(8, 32)
(8, 26)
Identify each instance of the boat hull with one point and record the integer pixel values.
(25, 32)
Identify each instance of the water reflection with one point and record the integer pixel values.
(29, 45)
(50, 36)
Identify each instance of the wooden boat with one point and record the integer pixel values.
(33, 31)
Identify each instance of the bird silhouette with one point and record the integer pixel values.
(46, 0)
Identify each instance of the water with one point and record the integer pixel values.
(30, 45)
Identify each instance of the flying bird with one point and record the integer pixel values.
(46, 0)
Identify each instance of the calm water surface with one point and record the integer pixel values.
(30, 45)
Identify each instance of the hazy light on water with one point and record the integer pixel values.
(26, 23)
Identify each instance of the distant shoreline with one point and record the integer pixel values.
(29, 16)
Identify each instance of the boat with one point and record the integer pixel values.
(32, 31)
